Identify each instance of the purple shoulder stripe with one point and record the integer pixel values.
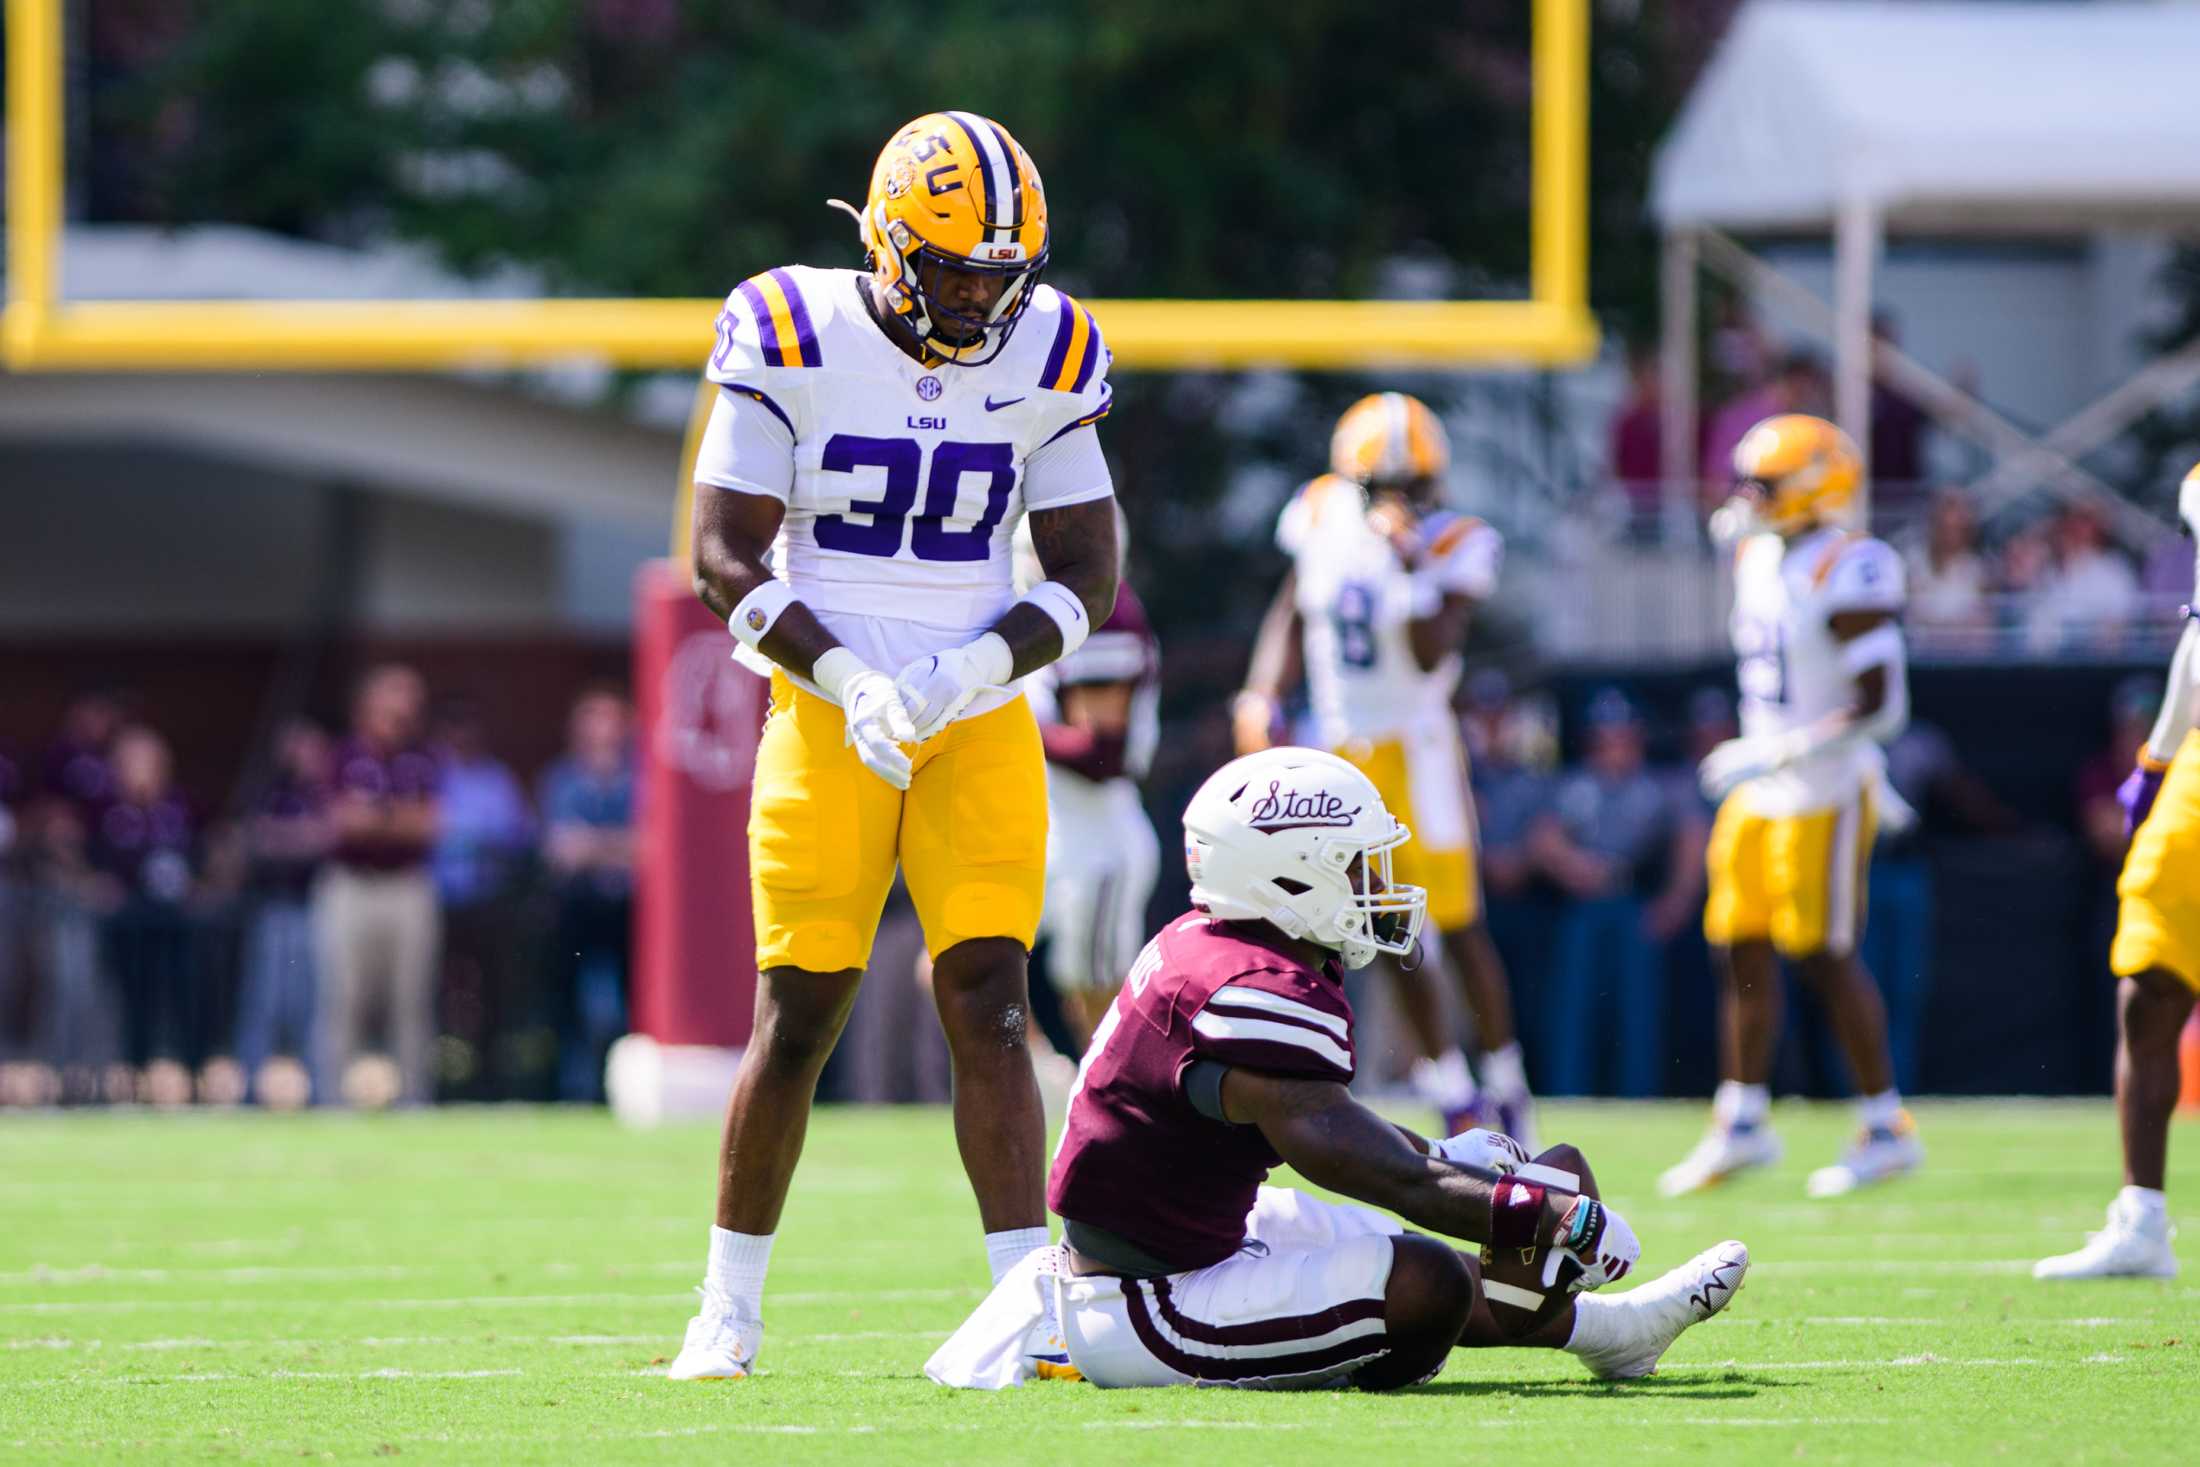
(1094, 350)
(805, 335)
(1062, 331)
(767, 331)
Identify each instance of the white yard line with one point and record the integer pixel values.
(666, 1338)
(927, 1428)
(483, 1301)
(1900, 1362)
(1892, 1265)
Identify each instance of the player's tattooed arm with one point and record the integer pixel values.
(1076, 546)
(1335, 1142)
(733, 535)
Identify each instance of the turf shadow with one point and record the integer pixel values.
(1731, 1386)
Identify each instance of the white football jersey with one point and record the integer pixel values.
(907, 481)
(1356, 600)
(1788, 662)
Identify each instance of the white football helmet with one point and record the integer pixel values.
(1301, 840)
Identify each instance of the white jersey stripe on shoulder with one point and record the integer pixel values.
(1241, 996)
(1224, 1028)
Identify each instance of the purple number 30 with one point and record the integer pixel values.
(901, 458)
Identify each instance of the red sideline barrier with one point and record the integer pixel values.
(699, 714)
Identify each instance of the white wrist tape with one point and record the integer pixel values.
(1064, 609)
(1427, 596)
(834, 668)
(759, 611)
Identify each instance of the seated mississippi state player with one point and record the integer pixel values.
(1228, 1053)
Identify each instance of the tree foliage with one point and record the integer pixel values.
(1233, 148)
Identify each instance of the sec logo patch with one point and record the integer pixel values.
(756, 618)
(929, 388)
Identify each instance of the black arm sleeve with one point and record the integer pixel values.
(1203, 1088)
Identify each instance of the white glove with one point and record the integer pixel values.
(937, 687)
(878, 723)
(1737, 761)
(1607, 1247)
(1489, 1151)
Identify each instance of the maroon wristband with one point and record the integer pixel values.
(1516, 1214)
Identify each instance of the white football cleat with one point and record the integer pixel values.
(1877, 1154)
(1648, 1320)
(718, 1347)
(1723, 1151)
(2134, 1245)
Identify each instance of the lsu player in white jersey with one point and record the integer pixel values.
(1824, 683)
(1383, 582)
(878, 437)
(2156, 960)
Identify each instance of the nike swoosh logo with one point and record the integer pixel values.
(993, 407)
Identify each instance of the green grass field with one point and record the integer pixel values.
(505, 1286)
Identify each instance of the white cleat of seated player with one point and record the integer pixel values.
(719, 1346)
(1723, 1151)
(2134, 1245)
(1877, 1154)
(1646, 1321)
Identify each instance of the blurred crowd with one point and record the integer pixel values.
(392, 914)
(2042, 579)
(386, 915)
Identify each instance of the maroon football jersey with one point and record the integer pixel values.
(1136, 1157)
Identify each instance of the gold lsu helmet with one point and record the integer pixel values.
(954, 190)
(1389, 439)
(1800, 471)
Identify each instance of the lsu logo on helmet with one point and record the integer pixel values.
(1389, 438)
(1802, 471)
(953, 190)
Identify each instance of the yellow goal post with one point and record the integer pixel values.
(42, 332)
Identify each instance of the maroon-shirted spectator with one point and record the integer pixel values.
(75, 768)
(1637, 436)
(377, 928)
(1898, 425)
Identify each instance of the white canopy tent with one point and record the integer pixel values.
(1861, 117)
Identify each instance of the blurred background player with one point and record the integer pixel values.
(1229, 1054)
(1099, 719)
(2156, 960)
(1373, 611)
(1823, 683)
(845, 394)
